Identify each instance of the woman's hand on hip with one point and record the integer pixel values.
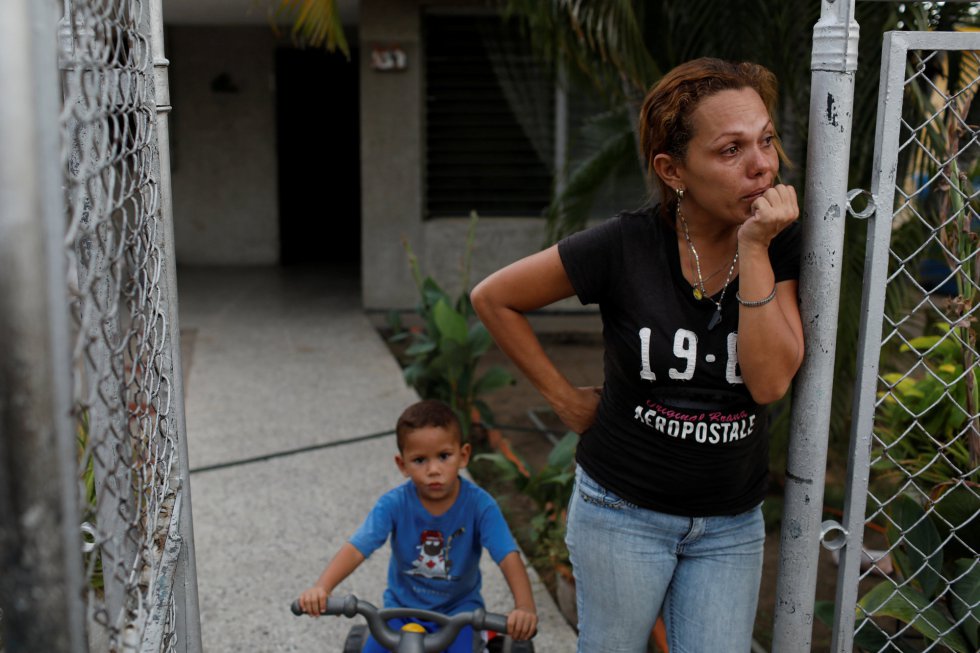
(578, 411)
(775, 210)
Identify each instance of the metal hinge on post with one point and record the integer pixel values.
(869, 207)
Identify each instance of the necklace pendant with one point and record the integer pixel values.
(697, 293)
(715, 320)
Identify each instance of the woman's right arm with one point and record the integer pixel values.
(501, 301)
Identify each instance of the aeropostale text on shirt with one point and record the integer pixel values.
(708, 427)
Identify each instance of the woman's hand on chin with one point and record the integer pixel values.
(775, 210)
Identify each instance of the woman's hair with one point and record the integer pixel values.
(665, 119)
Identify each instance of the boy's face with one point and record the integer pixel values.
(432, 457)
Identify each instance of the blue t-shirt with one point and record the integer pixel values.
(435, 560)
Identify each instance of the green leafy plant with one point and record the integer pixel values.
(550, 488)
(920, 421)
(933, 595)
(945, 214)
(444, 353)
(87, 486)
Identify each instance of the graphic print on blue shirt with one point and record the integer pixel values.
(434, 560)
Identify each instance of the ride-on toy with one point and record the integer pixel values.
(412, 638)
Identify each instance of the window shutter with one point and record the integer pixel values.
(478, 155)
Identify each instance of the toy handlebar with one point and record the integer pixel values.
(407, 641)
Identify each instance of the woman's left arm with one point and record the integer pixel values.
(770, 336)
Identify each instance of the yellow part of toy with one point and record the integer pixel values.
(413, 628)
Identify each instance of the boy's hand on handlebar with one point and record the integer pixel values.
(313, 601)
(522, 624)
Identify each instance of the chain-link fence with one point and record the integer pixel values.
(914, 585)
(129, 488)
(910, 541)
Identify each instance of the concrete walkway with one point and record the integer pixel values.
(284, 377)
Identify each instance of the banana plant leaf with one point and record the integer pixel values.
(479, 340)
(868, 636)
(914, 608)
(922, 563)
(965, 599)
(452, 325)
(493, 379)
(563, 454)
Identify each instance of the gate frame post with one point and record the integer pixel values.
(833, 66)
(186, 603)
(42, 587)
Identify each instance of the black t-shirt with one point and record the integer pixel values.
(677, 430)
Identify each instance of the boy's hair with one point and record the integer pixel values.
(429, 412)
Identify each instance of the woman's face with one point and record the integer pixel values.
(731, 158)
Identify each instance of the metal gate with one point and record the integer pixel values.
(909, 541)
(97, 549)
(915, 459)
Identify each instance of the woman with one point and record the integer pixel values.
(701, 328)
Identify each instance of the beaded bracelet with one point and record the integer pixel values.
(761, 302)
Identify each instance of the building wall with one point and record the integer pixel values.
(392, 174)
(225, 166)
(223, 142)
(391, 154)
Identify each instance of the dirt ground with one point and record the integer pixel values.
(579, 357)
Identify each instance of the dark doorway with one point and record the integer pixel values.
(319, 158)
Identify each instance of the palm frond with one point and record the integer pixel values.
(609, 139)
(316, 23)
(611, 29)
(601, 39)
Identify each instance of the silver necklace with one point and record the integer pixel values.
(698, 289)
(710, 276)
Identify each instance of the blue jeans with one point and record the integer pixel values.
(630, 564)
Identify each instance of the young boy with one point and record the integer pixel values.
(439, 524)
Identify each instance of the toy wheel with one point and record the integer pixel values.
(507, 645)
(491, 645)
(355, 639)
(521, 647)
